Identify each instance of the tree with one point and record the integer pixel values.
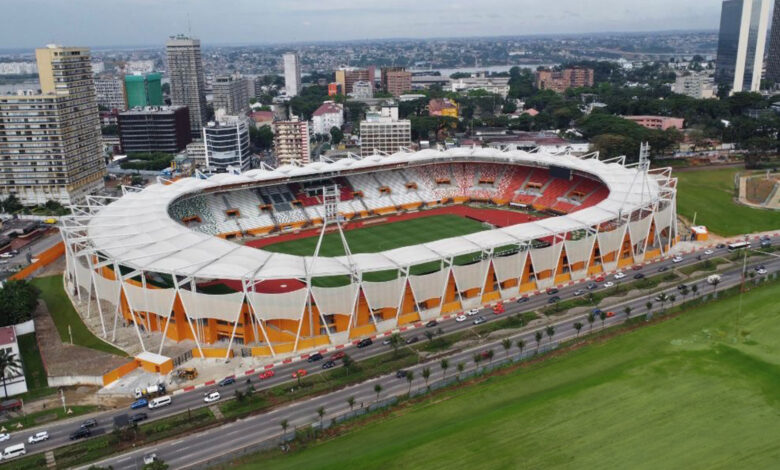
(715, 281)
(461, 367)
(378, 390)
(695, 290)
(649, 306)
(444, 364)
(12, 204)
(284, 424)
(262, 138)
(395, 342)
(550, 330)
(347, 362)
(490, 353)
(18, 300)
(429, 334)
(477, 359)
(602, 317)
(336, 135)
(351, 402)
(538, 335)
(426, 373)
(627, 311)
(410, 379)
(521, 345)
(321, 414)
(578, 327)
(507, 344)
(591, 319)
(684, 292)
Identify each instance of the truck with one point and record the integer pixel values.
(150, 391)
(187, 373)
(713, 279)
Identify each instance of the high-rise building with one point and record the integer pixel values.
(396, 80)
(110, 93)
(188, 84)
(383, 132)
(561, 80)
(773, 58)
(291, 142)
(143, 90)
(741, 44)
(50, 145)
(231, 94)
(348, 76)
(226, 142)
(362, 90)
(155, 129)
(292, 74)
(695, 85)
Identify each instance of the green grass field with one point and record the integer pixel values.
(710, 194)
(64, 315)
(682, 393)
(383, 237)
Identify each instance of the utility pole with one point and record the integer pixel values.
(741, 289)
(62, 397)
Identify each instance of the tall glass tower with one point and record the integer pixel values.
(741, 44)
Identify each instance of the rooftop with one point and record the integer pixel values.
(7, 335)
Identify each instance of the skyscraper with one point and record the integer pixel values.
(396, 80)
(143, 90)
(741, 44)
(291, 142)
(231, 94)
(50, 141)
(227, 144)
(292, 74)
(185, 69)
(773, 59)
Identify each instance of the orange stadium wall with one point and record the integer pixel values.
(45, 258)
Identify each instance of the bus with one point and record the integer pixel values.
(738, 246)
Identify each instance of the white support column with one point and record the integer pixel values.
(448, 262)
(133, 314)
(405, 274)
(186, 315)
(489, 253)
(233, 333)
(97, 295)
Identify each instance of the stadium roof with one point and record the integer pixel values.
(137, 231)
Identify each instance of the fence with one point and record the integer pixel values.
(71, 380)
(44, 259)
(24, 328)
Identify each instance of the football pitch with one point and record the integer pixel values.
(373, 239)
(695, 391)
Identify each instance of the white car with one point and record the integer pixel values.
(150, 458)
(677, 259)
(609, 284)
(460, 318)
(708, 252)
(211, 397)
(6, 255)
(620, 275)
(4, 436)
(472, 312)
(38, 437)
(761, 272)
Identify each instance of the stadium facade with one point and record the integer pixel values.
(154, 256)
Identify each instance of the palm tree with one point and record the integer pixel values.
(347, 362)
(662, 297)
(715, 281)
(602, 317)
(550, 330)
(695, 290)
(444, 364)
(429, 334)
(578, 327)
(649, 306)
(395, 342)
(591, 319)
(426, 373)
(507, 344)
(684, 292)
(284, 424)
(538, 337)
(378, 390)
(9, 364)
(520, 345)
(461, 366)
(410, 379)
(477, 359)
(351, 402)
(490, 355)
(672, 298)
(321, 414)
(627, 311)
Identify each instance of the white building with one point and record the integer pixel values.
(291, 142)
(226, 142)
(292, 74)
(362, 90)
(326, 117)
(110, 93)
(695, 85)
(196, 153)
(383, 132)
(14, 378)
(497, 85)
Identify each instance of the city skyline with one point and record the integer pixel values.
(316, 22)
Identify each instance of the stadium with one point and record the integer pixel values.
(281, 260)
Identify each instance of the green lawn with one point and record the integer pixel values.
(34, 373)
(64, 315)
(682, 393)
(383, 237)
(710, 194)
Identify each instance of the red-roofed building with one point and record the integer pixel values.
(326, 117)
(262, 118)
(15, 383)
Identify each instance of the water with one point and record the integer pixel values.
(492, 68)
(10, 89)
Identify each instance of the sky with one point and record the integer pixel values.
(95, 23)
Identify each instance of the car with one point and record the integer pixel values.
(553, 299)
(386, 342)
(708, 252)
(639, 276)
(211, 397)
(619, 275)
(267, 374)
(80, 433)
(401, 374)
(4, 436)
(663, 269)
(328, 364)
(314, 357)
(38, 437)
(523, 300)
(138, 417)
(600, 279)
(637, 267)
(498, 309)
(149, 459)
(552, 291)
(364, 343)
(485, 354)
(596, 311)
(412, 339)
(761, 272)
(681, 287)
(227, 381)
(89, 423)
(461, 318)
(431, 324)
(610, 314)
(6, 255)
(579, 292)
(140, 403)
(592, 285)
(479, 320)
(472, 312)
(661, 298)
(677, 259)
(337, 355)
(609, 284)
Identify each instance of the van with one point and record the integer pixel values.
(160, 401)
(14, 451)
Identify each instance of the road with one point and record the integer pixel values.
(182, 452)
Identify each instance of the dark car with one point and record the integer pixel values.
(328, 364)
(552, 290)
(721, 245)
(315, 357)
(138, 417)
(479, 320)
(431, 324)
(227, 381)
(365, 343)
(592, 286)
(80, 433)
(639, 276)
(89, 423)
(522, 300)
(412, 339)
(401, 374)
(663, 269)
(681, 287)
(553, 299)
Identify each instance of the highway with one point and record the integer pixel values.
(188, 450)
